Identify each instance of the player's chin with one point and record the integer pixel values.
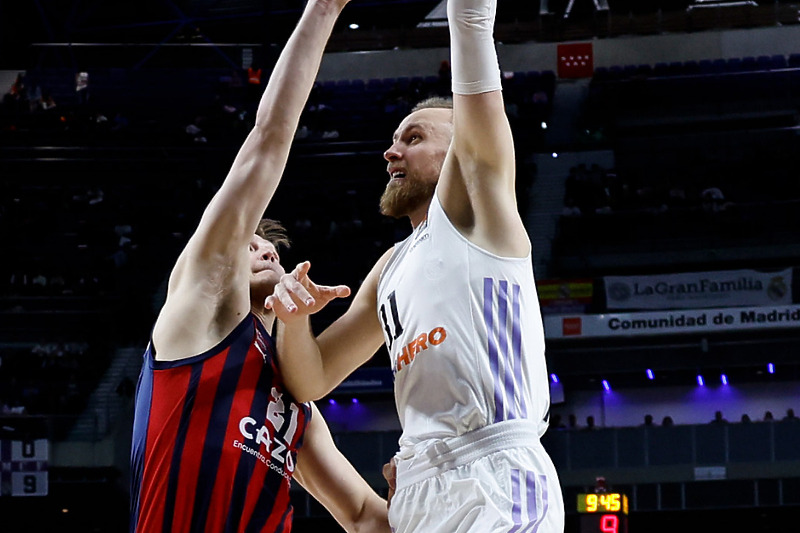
(263, 284)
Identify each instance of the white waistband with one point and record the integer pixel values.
(433, 457)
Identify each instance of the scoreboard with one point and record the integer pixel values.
(603, 512)
(23, 467)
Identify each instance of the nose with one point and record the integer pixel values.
(263, 250)
(269, 254)
(392, 154)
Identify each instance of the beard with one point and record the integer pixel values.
(403, 197)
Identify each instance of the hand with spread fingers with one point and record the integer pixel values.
(297, 296)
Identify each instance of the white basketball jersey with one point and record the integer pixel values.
(464, 334)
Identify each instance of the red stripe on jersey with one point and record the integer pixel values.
(195, 441)
(248, 382)
(278, 522)
(242, 402)
(169, 393)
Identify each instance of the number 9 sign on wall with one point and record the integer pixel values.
(603, 513)
(23, 467)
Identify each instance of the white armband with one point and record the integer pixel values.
(473, 57)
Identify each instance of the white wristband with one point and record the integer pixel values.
(473, 57)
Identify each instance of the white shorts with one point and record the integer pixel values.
(498, 479)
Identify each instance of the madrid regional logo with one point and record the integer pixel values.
(777, 288)
(619, 292)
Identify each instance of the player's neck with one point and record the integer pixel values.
(267, 318)
(419, 216)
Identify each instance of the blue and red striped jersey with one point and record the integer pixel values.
(215, 440)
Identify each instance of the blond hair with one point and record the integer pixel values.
(434, 102)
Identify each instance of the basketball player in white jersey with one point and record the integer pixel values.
(456, 305)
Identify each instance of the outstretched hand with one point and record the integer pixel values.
(296, 295)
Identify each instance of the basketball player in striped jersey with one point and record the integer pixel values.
(218, 436)
(456, 305)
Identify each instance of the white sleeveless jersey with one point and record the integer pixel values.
(464, 333)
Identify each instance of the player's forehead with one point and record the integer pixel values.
(428, 119)
(261, 242)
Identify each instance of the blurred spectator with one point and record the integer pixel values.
(316, 121)
(35, 98)
(195, 132)
(396, 102)
(13, 410)
(123, 231)
(570, 208)
(768, 416)
(667, 421)
(556, 422)
(16, 99)
(718, 418)
(48, 102)
(600, 485)
(121, 257)
(648, 420)
(713, 200)
(790, 416)
(82, 87)
(39, 282)
(745, 419)
(57, 283)
(120, 122)
(676, 197)
(95, 196)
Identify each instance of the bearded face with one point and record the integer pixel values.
(405, 195)
(415, 161)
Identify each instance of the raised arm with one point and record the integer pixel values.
(234, 213)
(330, 478)
(208, 291)
(476, 186)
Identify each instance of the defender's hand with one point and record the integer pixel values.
(296, 295)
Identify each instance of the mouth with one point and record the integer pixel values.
(397, 174)
(264, 266)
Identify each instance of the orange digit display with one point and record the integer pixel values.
(603, 503)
